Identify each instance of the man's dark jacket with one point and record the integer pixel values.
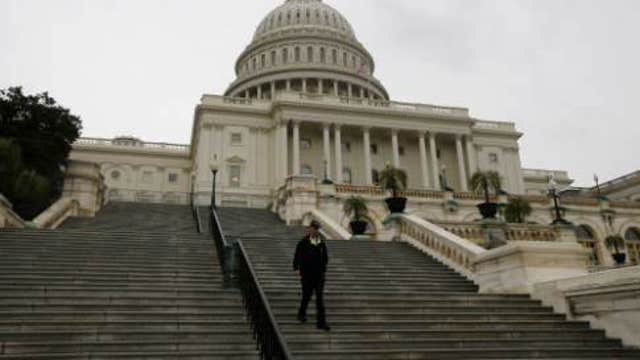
(311, 260)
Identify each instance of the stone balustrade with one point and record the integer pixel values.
(131, 143)
(449, 248)
(475, 232)
(57, 213)
(8, 218)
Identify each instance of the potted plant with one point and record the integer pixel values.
(356, 208)
(517, 210)
(483, 183)
(616, 242)
(394, 180)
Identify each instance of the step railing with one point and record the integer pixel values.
(224, 248)
(238, 271)
(265, 327)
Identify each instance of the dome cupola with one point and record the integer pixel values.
(307, 46)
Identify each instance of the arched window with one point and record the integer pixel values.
(307, 170)
(347, 176)
(323, 55)
(310, 54)
(632, 238)
(263, 60)
(334, 56)
(297, 53)
(285, 55)
(587, 237)
(273, 58)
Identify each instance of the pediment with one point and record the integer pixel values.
(236, 160)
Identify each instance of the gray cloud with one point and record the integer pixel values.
(564, 70)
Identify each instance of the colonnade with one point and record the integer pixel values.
(427, 143)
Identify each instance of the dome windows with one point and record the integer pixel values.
(323, 55)
(310, 54)
(297, 54)
(285, 55)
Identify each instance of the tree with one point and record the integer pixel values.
(484, 182)
(517, 210)
(37, 136)
(393, 179)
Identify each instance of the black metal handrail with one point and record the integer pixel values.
(265, 327)
(225, 249)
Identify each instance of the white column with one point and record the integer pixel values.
(320, 86)
(395, 148)
(464, 186)
(326, 136)
(471, 156)
(433, 150)
(367, 156)
(284, 150)
(288, 85)
(335, 87)
(350, 90)
(273, 90)
(338, 149)
(361, 92)
(246, 94)
(423, 160)
(259, 91)
(304, 85)
(296, 148)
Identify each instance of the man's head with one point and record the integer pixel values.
(314, 228)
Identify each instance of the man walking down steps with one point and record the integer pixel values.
(310, 261)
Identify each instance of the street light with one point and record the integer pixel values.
(214, 171)
(553, 192)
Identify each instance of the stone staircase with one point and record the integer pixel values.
(389, 301)
(137, 282)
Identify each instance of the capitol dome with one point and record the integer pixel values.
(307, 46)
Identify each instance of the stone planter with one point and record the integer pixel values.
(358, 227)
(396, 205)
(488, 210)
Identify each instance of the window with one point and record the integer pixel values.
(375, 177)
(263, 60)
(323, 57)
(632, 238)
(587, 238)
(305, 144)
(236, 139)
(285, 55)
(310, 54)
(147, 177)
(234, 176)
(273, 58)
(347, 176)
(173, 178)
(374, 149)
(115, 175)
(253, 64)
(344, 58)
(334, 56)
(307, 170)
(493, 158)
(297, 53)
(438, 154)
(401, 150)
(353, 61)
(347, 147)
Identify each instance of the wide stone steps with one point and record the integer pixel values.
(96, 292)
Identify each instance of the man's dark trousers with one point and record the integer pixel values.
(311, 284)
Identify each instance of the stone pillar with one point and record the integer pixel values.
(326, 137)
(296, 148)
(395, 148)
(433, 150)
(367, 156)
(471, 156)
(361, 92)
(464, 186)
(273, 90)
(320, 86)
(259, 92)
(338, 145)
(335, 88)
(246, 94)
(304, 85)
(350, 90)
(284, 150)
(288, 85)
(423, 160)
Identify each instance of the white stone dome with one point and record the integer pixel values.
(305, 14)
(307, 46)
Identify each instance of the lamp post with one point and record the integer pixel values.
(553, 192)
(214, 171)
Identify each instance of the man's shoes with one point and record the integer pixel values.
(324, 327)
(302, 318)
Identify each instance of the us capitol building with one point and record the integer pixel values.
(306, 107)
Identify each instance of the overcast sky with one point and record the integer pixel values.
(567, 72)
